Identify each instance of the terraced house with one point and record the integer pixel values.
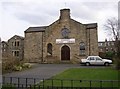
(64, 40)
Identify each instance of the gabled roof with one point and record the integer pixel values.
(4, 42)
(36, 29)
(91, 25)
(16, 36)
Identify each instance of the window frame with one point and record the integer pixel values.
(49, 49)
(82, 48)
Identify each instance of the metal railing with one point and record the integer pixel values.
(37, 83)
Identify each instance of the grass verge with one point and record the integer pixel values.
(80, 77)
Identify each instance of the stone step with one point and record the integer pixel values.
(65, 62)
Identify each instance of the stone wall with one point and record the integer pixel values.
(33, 47)
(93, 42)
(16, 43)
(37, 40)
(77, 31)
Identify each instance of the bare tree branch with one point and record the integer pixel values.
(111, 26)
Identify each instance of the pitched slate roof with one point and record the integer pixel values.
(36, 29)
(16, 36)
(4, 42)
(91, 25)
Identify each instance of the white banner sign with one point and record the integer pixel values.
(58, 41)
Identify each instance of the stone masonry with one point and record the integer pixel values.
(63, 40)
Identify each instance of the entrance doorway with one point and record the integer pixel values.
(65, 53)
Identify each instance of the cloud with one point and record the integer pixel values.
(33, 13)
(25, 13)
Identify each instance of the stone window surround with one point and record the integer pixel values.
(49, 49)
(16, 53)
(82, 48)
(16, 43)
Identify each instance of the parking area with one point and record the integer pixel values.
(40, 72)
(46, 70)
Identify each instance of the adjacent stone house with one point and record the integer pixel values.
(106, 46)
(13, 48)
(4, 45)
(16, 46)
(63, 40)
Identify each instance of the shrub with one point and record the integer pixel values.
(26, 65)
(17, 68)
(110, 55)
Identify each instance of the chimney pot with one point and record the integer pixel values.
(65, 14)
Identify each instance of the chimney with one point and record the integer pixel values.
(65, 14)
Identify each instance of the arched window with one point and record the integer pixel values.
(49, 49)
(82, 48)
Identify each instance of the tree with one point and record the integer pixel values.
(112, 28)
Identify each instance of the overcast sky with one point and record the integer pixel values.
(18, 15)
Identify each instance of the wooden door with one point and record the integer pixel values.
(65, 53)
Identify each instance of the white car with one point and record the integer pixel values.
(95, 60)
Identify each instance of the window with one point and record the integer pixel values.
(82, 48)
(65, 33)
(100, 44)
(3, 45)
(91, 58)
(101, 49)
(12, 43)
(49, 49)
(15, 53)
(99, 59)
(12, 53)
(108, 43)
(112, 43)
(16, 43)
(107, 49)
(4, 50)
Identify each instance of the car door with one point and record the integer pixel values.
(92, 60)
(99, 61)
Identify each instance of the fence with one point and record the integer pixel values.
(37, 83)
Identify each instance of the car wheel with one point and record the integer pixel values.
(87, 64)
(106, 64)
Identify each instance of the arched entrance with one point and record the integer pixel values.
(65, 53)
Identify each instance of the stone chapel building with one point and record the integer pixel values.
(63, 40)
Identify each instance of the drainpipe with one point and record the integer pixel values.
(89, 43)
(42, 46)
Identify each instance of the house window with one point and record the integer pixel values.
(101, 49)
(112, 43)
(82, 48)
(15, 53)
(3, 45)
(4, 50)
(100, 44)
(106, 49)
(16, 43)
(49, 49)
(12, 43)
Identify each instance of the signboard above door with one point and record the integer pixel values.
(59, 41)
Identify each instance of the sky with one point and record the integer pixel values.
(18, 15)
